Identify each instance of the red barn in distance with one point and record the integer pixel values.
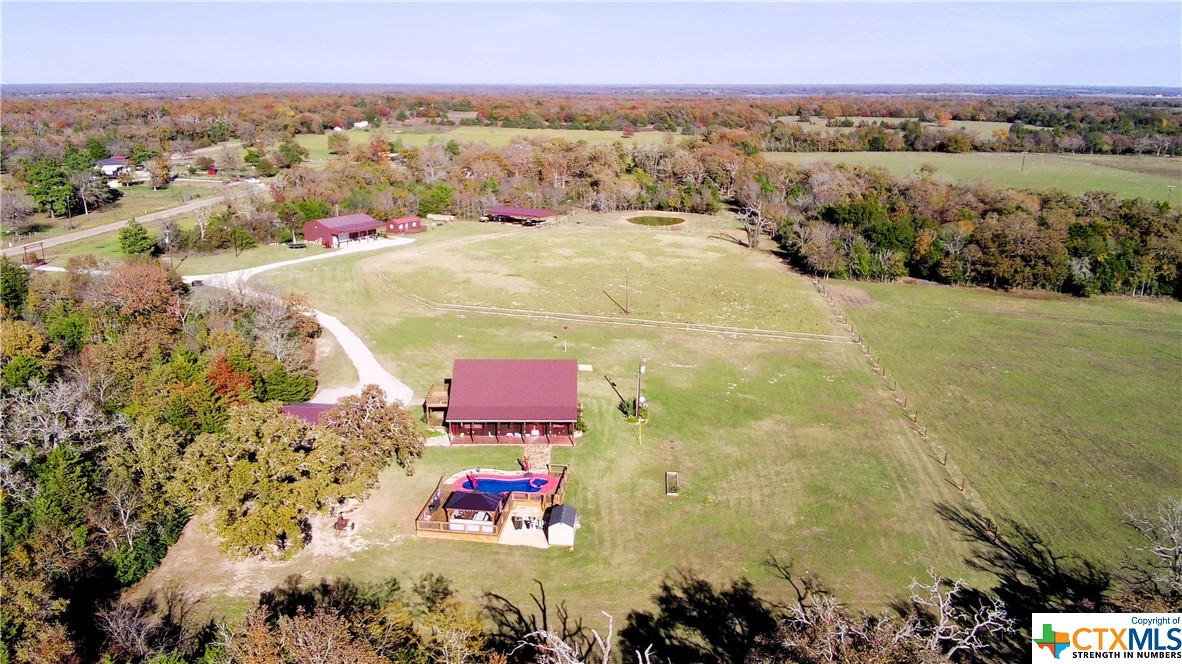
(336, 231)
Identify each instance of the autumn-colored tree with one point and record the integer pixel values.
(140, 291)
(234, 386)
(262, 477)
(31, 614)
(338, 143)
(375, 431)
(159, 172)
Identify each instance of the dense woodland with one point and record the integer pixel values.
(129, 404)
(44, 127)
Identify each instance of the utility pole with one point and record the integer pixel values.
(1023, 161)
(565, 334)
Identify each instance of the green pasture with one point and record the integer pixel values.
(785, 448)
(1063, 413)
(106, 247)
(1126, 176)
(978, 128)
(317, 144)
(136, 200)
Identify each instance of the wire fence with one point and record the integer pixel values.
(684, 326)
(953, 475)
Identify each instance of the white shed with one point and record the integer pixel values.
(360, 125)
(561, 523)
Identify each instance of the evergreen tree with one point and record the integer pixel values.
(134, 239)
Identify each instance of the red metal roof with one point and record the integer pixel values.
(350, 222)
(521, 212)
(308, 412)
(403, 220)
(514, 391)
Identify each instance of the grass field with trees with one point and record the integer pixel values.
(317, 144)
(1062, 412)
(1125, 176)
(796, 445)
(793, 443)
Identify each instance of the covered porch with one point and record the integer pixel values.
(511, 433)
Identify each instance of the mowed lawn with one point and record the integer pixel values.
(1125, 176)
(785, 448)
(1062, 412)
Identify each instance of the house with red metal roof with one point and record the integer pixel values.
(336, 231)
(520, 215)
(307, 411)
(517, 402)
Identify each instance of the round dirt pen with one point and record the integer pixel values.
(652, 220)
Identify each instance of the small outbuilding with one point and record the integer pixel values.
(404, 225)
(561, 522)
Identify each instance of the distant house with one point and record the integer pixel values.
(113, 165)
(360, 125)
(513, 402)
(336, 231)
(520, 215)
(307, 411)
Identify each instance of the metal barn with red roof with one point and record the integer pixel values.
(513, 402)
(335, 231)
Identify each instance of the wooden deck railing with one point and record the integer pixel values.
(434, 523)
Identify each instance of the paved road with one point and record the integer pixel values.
(116, 225)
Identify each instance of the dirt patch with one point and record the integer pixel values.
(851, 297)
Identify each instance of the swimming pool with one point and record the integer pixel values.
(502, 484)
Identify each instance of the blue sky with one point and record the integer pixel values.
(675, 43)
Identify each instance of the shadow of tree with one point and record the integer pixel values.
(1031, 576)
(729, 238)
(294, 596)
(512, 625)
(697, 622)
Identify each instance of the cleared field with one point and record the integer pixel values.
(1125, 176)
(1062, 412)
(317, 144)
(789, 448)
(977, 128)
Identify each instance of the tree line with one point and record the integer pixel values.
(129, 405)
(36, 128)
(689, 618)
(831, 220)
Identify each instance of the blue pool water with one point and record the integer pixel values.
(497, 485)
